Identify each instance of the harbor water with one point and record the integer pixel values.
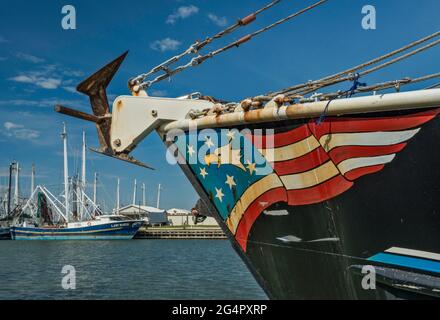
(137, 269)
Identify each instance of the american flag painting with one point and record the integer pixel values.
(308, 164)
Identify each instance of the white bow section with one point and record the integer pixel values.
(133, 118)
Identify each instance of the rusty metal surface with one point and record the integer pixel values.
(95, 87)
(362, 105)
(124, 157)
(78, 114)
(248, 19)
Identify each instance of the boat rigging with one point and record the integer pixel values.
(139, 83)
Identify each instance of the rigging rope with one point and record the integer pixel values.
(368, 71)
(354, 69)
(437, 85)
(136, 85)
(197, 46)
(288, 18)
(383, 86)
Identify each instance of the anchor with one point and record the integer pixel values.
(95, 87)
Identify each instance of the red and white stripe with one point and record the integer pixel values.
(314, 163)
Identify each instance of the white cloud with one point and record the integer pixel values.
(182, 13)
(44, 103)
(49, 83)
(29, 58)
(23, 102)
(70, 89)
(73, 73)
(47, 76)
(3, 40)
(22, 79)
(26, 134)
(40, 81)
(19, 132)
(3, 58)
(220, 21)
(166, 44)
(10, 125)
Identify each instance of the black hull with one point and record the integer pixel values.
(333, 240)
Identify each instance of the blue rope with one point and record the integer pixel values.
(323, 114)
(356, 85)
(349, 93)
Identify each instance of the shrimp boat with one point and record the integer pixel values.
(314, 190)
(78, 218)
(104, 227)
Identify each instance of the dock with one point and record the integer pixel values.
(169, 232)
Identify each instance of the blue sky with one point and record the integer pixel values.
(40, 64)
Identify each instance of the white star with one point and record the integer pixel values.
(219, 194)
(190, 150)
(231, 134)
(251, 167)
(209, 142)
(230, 181)
(203, 172)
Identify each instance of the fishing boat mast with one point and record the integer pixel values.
(11, 168)
(95, 182)
(158, 195)
(17, 181)
(33, 179)
(144, 203)
(83, 175)
(117, 198)
(66, 172)
(134, 191)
